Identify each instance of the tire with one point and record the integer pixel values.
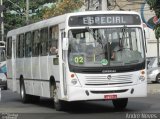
(158, 78)
(58, 104)
(34, 99)
(5, 87)
(120, 104)
(24, 97)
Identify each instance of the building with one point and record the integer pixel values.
(134, 5)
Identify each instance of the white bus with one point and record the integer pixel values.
(95, 55)
(3, 70)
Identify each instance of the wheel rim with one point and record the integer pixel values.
(55, 95)
(22, 91)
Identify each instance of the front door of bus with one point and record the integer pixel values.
(64, 56)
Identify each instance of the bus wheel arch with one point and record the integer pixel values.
(58, 104)
(52, 84)
(24, 96)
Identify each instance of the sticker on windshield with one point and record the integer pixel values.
(79, 59)
(104, 62)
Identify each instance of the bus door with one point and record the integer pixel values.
(63, 66)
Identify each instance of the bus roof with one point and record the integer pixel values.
(60, 19)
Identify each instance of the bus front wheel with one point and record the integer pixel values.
(58, 104)
(120, 103)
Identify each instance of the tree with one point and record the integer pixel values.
(14, 15)
(63, 7)
(155, 5)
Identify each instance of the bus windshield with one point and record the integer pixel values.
(97, 47)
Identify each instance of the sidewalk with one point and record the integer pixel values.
(154, 88)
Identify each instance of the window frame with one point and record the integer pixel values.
(9, 47)
(44, 39)
(53, 42)
(28, 47)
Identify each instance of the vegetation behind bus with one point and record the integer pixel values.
(14, 17)
(154, 5)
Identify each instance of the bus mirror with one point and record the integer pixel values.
(65, 43)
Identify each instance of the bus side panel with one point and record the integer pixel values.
(19, 67)
(45, 89)
(53, 69)
(29, 86)
(27, 75)
(43, 68)
(44, 76)
(35, 68)
(36, 76)
(37, 89)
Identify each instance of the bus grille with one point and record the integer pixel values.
(103, 80)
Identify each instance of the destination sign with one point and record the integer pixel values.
(104, 19)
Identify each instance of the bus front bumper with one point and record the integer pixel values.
(93, 93)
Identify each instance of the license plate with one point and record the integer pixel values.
(110, 97)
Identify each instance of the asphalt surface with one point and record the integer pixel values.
(11, 107)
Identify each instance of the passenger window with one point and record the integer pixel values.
(21, 45)
(9, 48)
(36, 43)
(28, 51)
(2, 57)
(44, 41)
(18, 46)
(53, 40)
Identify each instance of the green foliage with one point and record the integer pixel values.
(155, 5)
(14, 16)
(62, 7)
(157, 31)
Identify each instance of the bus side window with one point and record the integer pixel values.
(44, 41)
(53, 40)
(18, 46)
(2, 55)
(36, 43)
(28, 51)
(21, 40)
(9, 48)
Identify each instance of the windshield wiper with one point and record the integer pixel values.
(134, 61)
(123, 30)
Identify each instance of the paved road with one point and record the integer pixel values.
(11, 104)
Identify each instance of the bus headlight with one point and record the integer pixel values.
(142, 78)
(74, 81)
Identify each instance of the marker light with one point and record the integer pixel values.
(142, 72)
(72, 75)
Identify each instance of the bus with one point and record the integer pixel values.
(83, 56)
(3, 70)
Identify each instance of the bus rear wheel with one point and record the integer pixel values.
(25, 97)
(120, 103)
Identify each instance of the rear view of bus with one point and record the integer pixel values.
(106, 57)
